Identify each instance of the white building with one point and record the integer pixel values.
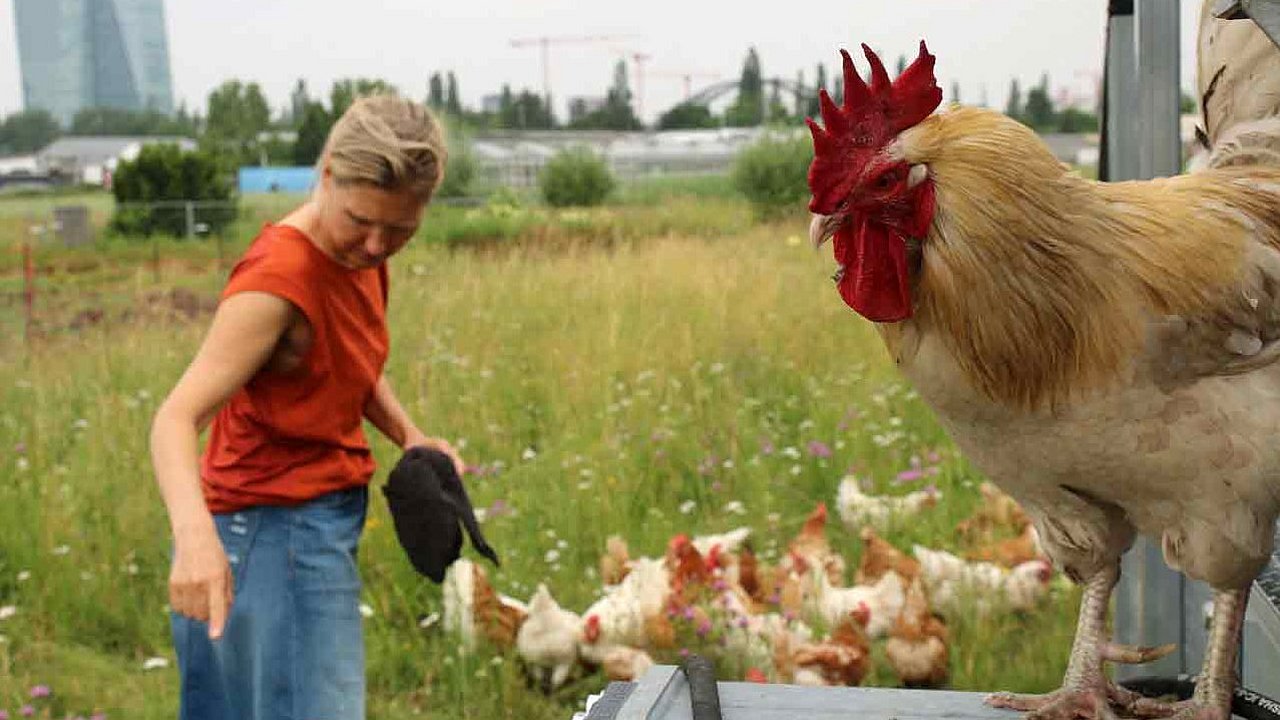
(91, 160)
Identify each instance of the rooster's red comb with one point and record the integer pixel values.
(869, 118)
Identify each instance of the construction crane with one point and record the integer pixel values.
(544, 43)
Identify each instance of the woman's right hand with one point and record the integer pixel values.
(201, 586)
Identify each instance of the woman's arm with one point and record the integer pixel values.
(388, 415)
(245, 330)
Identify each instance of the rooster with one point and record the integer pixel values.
(1105, 353)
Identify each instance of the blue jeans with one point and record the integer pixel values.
(293, 647)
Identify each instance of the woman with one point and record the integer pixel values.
(264, 587)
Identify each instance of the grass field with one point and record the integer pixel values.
(632, 369)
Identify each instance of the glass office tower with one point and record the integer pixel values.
(77, 54)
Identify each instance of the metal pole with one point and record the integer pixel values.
(1158, 80)
(1121, 131)
(1143, 142)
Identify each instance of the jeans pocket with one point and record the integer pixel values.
(236, 530)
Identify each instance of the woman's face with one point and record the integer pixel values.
(363, 224)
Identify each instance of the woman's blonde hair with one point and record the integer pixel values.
(389, 142)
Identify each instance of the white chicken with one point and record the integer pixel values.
(878, 604)
(548, 639)
(858, 509)
(621, 616)
(954, 584)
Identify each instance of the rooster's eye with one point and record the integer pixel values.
(886, 180)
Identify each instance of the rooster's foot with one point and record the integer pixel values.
(1180, 710)
(1065, 704)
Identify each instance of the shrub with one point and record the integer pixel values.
(461, 169)
(150, 192)
(575, 176)
(772, 173)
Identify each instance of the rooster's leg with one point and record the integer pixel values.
(1217, 680)
(1086, 692)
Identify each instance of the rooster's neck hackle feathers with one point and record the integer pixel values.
(1042, 283)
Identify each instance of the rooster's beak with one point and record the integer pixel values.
(822, 227)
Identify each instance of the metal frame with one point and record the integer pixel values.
(1153, 603)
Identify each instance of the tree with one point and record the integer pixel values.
(777, 111)
(818, 87)
(525, 111)
(28, 131)
(238, 113)
(748, 109)
(1039, 112)
(955, 92)
(687, 116)
(1075, 120)
(801, 102)
(616, 114)
(298, 102)
(345, 91)
(121, 121)
(452, 103)
(313, 130)
(435, 92)
(1187, 104)
(902, 64)
(165, 172)
(1013, 108)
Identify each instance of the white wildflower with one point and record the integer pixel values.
(727, 464)
(366, 610)
(551, 556)
(528, 454)
(24, 575)
(155, 663)
(429, 620)
(23, 464)
(62, 550)
(80, 424)
(687, 507)
(8, 611)
(736, 507)
(790, 452)
(795, 470)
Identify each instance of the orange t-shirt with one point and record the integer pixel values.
(285, 438)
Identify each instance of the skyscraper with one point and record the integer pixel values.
(78, 54)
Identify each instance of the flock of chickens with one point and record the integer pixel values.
(767, 618)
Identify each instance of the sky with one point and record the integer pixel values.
(980, 44)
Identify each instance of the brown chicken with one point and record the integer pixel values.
(497, 617)
(615, 563)
(996, 514)
(879, 556)
(842, 659)
(811, 550)
(1010, 552)
(1104, 352)
(918, 647)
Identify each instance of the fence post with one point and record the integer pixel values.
(191, 219)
